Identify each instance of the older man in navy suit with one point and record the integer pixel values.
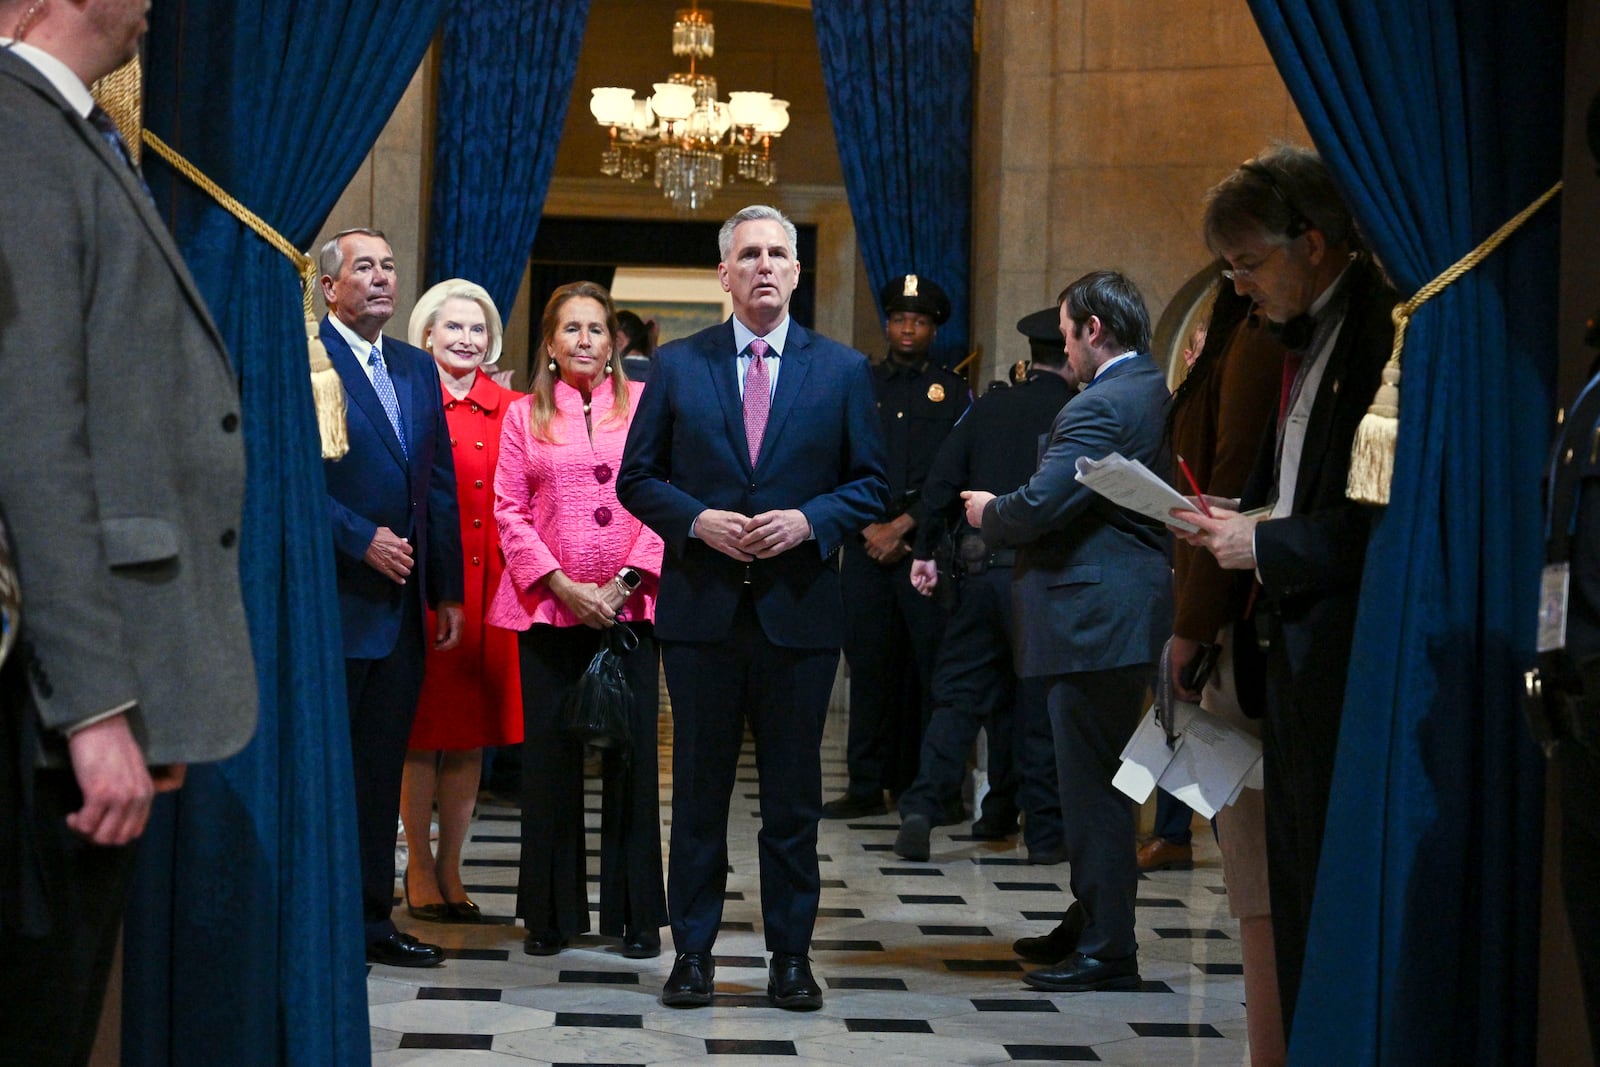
(396, 534)
(1094, 583)
(754, 453)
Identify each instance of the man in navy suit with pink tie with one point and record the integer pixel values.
(754, 453)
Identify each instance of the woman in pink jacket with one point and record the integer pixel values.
(576, 565)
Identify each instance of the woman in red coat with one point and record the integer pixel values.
(471, 695)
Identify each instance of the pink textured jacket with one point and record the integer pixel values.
(556, 505)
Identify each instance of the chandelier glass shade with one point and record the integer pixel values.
(682, 135)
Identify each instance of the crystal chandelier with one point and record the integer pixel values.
(683, 134)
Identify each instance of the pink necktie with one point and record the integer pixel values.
(757, 397)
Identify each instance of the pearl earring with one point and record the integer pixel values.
(608, 369)
(552, 366)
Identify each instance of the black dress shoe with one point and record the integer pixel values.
(463, 911)
(690, 983)
(790, 985)
(1080, 974)
(911, 842)
(641, 944)
(430, 913)
(1046, 857)
(1058, 944)
(994, 827)
(403, 950)
(546, 944)
(855, 806)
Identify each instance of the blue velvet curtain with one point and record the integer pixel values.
(1440, 119)
(244, 936)
(899, 80)
(505, 78)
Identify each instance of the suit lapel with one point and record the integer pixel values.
(722, 363)
(795, 365)
(25, 73)
(358, 387)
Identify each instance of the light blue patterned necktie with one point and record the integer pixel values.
(391, 403)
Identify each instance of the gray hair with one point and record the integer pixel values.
(751, 214)
(330, 260)
(426, 313)
(1280, 194)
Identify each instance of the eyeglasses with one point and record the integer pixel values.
(1240, 274)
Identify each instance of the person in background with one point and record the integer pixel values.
(1293, 250)
(636, 344)
(396, 536)
(1092, 592)
(471, 694)
(892, 634)
(1216, 422)
(995, 447)
(578, 564)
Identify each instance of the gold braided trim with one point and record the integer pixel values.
(1372, 457)
(121, 95)
(327, 392)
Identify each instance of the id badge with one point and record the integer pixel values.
(1553, 590)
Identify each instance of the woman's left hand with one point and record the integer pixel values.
(589, 602)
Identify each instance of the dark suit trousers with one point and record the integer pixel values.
(1299, 740)
(891, 641)
(552, 885)
(975, 687)
(782, 693)
(382, 695)
(52, 987)
(1093, 713)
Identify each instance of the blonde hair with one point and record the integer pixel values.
(426, 312)
(542, 409)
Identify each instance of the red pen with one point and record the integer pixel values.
(1189, 474)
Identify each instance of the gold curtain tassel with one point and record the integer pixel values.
(1372, 456)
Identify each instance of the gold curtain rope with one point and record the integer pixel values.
(304, 265)
(1372, 457)
(327, 392)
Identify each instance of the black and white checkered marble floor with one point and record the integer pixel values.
(915, 961)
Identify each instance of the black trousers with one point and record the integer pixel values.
(383, 702)
(1579, 771)
(52, 986)
(891, 642)
(1093, 713)
(552, 889)
(782, 695)
(975, 687)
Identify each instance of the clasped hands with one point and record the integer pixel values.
(743, 538)
(595, 605)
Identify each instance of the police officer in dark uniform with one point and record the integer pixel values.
(996, 449)
(891, 633)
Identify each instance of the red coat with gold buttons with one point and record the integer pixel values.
(472, 695)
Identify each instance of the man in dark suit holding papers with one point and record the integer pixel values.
(1292, 249)
(1094, 584)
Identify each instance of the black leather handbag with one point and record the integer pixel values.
(598, 709)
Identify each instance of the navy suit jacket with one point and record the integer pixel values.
(822, 453)
(1092, 587)
(376, 484)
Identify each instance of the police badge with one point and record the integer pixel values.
(936, 392)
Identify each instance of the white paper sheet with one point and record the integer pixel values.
(1132, 485)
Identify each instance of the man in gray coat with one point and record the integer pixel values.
(122, 475)
(1094, 584)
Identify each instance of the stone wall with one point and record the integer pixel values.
(1101, 123)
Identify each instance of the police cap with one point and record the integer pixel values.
(912, 292)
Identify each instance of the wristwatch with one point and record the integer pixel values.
(630, 577)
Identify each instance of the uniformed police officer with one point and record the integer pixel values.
(891, 633)
(995, 448)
